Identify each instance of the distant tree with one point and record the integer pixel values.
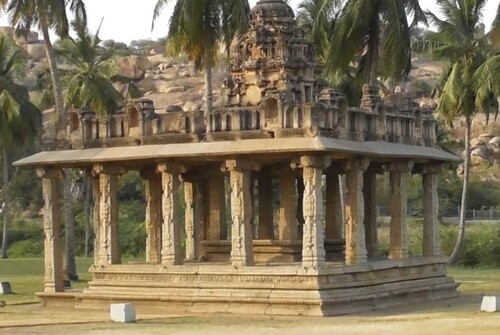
(196, 28)
(51, 15)
(460, 40)
(19, 119)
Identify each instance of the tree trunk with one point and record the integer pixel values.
(6, 208)
(370, 72)
(88, 211)
(461, 226)
(208, 84)
(60, 126)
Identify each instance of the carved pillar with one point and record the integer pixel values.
(153, 194)
(313, 249)
(241, 213)
(333, 215)
(108, 251)
(53, 250)
(288, 229)
(370, 221)
(96, 192)
(266, 228)
(355, 243)
(193, 212)
(398, 175)
(171, 253)
(216, 225)
(432, 243)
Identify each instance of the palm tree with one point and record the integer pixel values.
(19, 119)
(460, 39)
(375, 36)
(88, 82)
(197, 27)
(51, 14)
(317, 19)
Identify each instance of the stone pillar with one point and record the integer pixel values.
(153, 194)
(241, 213)
(288, 229)
(53, 250)
(313, 245)
(370, 221)
(192, 219)
(431, 243)
(333, 215)
(171, 253)
(108, 249)
(96, 193)
(355, 242)
(266, 228)
(216, 225)
(398, 175)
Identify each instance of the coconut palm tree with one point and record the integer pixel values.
(90, 68)
(460, 40)
(19, 119)
(197, 27)
(317, 18)
(375, 36)
(47, 15)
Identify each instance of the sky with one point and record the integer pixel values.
(127, 20)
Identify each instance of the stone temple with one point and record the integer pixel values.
(274, 152)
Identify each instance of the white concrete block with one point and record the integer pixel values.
(5, 288)
(122, 313)
(490, 303)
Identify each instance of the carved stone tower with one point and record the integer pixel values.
(273, 67)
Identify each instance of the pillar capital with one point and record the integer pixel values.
(240, 164)
(108, 169)
(50, 172)
(432, 168)
(171, 168)
(359, 165)
(318, 162)
(404, 166)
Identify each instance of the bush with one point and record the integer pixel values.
(26, 248)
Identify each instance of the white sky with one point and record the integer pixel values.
(127, 20)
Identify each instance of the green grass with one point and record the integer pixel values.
(26, 277)
(477, 281)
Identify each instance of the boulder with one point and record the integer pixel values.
(479, 155)
(133, 67)
(173, 109)
(485, 138)
(36, 51)
(494, 145)
(192, 106)
(175, 89)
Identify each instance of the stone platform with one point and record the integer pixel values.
(280, 289)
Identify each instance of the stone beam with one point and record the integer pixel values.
(355, 241)
(53, 250)
(398, 174)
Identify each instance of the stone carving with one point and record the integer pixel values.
(192, 218)
(241, 213)
(153, 193)
(171, 253)
(53, 280)
(355, 244)
(432, 244)
(313, 251)
(398, 175)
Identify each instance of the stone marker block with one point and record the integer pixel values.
(490, 303)
(122, 313)
(5, 288)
